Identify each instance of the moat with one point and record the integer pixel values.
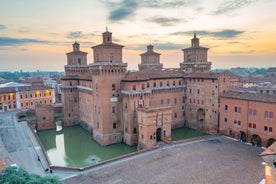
(74, 147)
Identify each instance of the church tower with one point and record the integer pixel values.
(195, 58)
(107, 72)
(150, 59)
(76, 67)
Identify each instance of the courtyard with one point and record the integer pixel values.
(212, 160)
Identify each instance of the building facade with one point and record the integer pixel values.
(249, 117)
(140, 107)
(25, 97)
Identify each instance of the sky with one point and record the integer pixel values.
(36, 34)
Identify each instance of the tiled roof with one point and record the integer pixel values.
(108, 44)
(271, 150)
(12, 84)
(149, 74)
(210, 75)
(23, 88)
(271, 69)
(270, 98)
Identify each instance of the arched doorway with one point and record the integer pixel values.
(200, 116)
(158, 134)
(270, 141)
(58, 125)
(242, 136)
(256, 140)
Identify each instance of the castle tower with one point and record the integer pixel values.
(107, 72)
(195, 58)
(75, 68)
(150, 59)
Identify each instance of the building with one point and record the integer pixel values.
(249, 117)
(20, 96)
(140, 107)
(271, 72)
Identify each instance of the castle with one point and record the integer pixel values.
(141, 107)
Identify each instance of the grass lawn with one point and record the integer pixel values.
(185, 133)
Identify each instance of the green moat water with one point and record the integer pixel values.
(74, 147)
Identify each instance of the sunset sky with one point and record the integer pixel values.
(36, 34)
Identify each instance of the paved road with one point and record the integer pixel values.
(214, 160)
(19, 146)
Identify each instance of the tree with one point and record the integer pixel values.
(15, 175)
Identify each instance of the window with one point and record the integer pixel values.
(250, 112)
(271, 115)
(154, 84)
(235, 122)
(26, 96)
(239, 123)
(21, 96)
(79, 61)
(31, 95)
(76, 99)
(254, 126)
(202, 102)
(270, 129)
(250, 125)
(235, 109)
(148, 84)
(197, 101)
(113, 109)
(183, 99)
(225, 120)
(266, 114)
(168, 101)
(194, 101)
(239, 109)
(190, 90)
(168, 83)
(175, 101)
(162, 101)
(161, 84)
(133, 87)
(125, 105)
(198, 91)
(179, 82)
(113, 87)
(226, 107)
(265, 128)
(175, 115)
(254, 112)
(173, 83)
(143, 86)
(134, 130)
(114, 125)
(213, 93)
(190, 100)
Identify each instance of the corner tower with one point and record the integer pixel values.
(107, 72)
(150, 59)
(76, 68)
(195, 58)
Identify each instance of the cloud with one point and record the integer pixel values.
(242, 52)
(121, 10)
(164, 21)
(76, 34)
(230, 6)
(6, 41)
(159, 46)
(3, 26)
(226, 33)
(166, 3)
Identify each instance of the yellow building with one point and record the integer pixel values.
(24, 96)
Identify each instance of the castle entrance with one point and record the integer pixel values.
(242, 136)
(200, 115)
(256, 140)
(158, 134)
